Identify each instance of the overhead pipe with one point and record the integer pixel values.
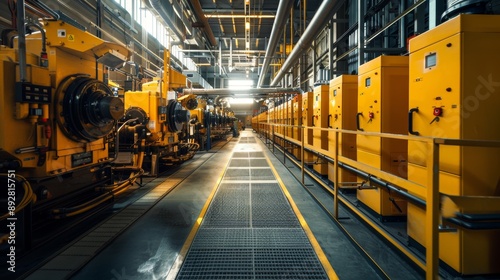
(198, 11)
(313, 29)
(232, 92)
(160, 9)
(278, 27)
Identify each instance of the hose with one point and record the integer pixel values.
(110, 192)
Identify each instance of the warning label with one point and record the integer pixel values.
(71, 37)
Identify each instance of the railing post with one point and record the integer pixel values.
(302, 152)
(284, 145)
(432, 212)
(336, 178)
(274, 139)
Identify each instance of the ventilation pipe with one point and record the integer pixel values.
(313, 29)
(198, 11)
(223, 92)
(456, 7)
(278, 27)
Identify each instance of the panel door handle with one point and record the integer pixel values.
(410, 121)
(357, 122)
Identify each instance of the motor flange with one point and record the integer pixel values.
(86, 108)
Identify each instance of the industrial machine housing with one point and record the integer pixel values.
(453, 79)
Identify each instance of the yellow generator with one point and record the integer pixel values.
(454, 86)
(342, 109)
(154, 116)
(320, 120)
(55, 122)
(307, 120)
(382, 108)
(297, 121)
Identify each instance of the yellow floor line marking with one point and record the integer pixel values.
(176, 266)
(317, 248)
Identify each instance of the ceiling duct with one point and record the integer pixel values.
(278, 27)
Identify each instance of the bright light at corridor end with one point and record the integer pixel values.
(240, 84)
(240, 100)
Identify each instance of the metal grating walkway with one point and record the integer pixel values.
(250, 230)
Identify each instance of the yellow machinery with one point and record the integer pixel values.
(307, 120)
(342, 109)
(382, 105)
(199, 117)
(272, 119)
(454, 74)
(54, 123)
(320, 119)
(255, 123)
(288, 118)
(196, 109)
(297, 121)
(155, 115)
(262, 120)
(280, 120)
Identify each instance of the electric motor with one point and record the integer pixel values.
(86, 108)
(137, 113)
(192, 104)
(177, 116)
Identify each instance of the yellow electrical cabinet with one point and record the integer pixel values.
(343, 104)
(288, 118)
(307, 120)
(297, 121)
(383, 108)
(320, 120)
(262, 120)
(272, 121)
(454, 84)
(278, 128)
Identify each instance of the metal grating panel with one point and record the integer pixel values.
(239, 163)
(262, 174)
(256, 154)
(287, 264)
(248, 140)
(237, 174)
(258, 162)
(250, 231)
(240, 155)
